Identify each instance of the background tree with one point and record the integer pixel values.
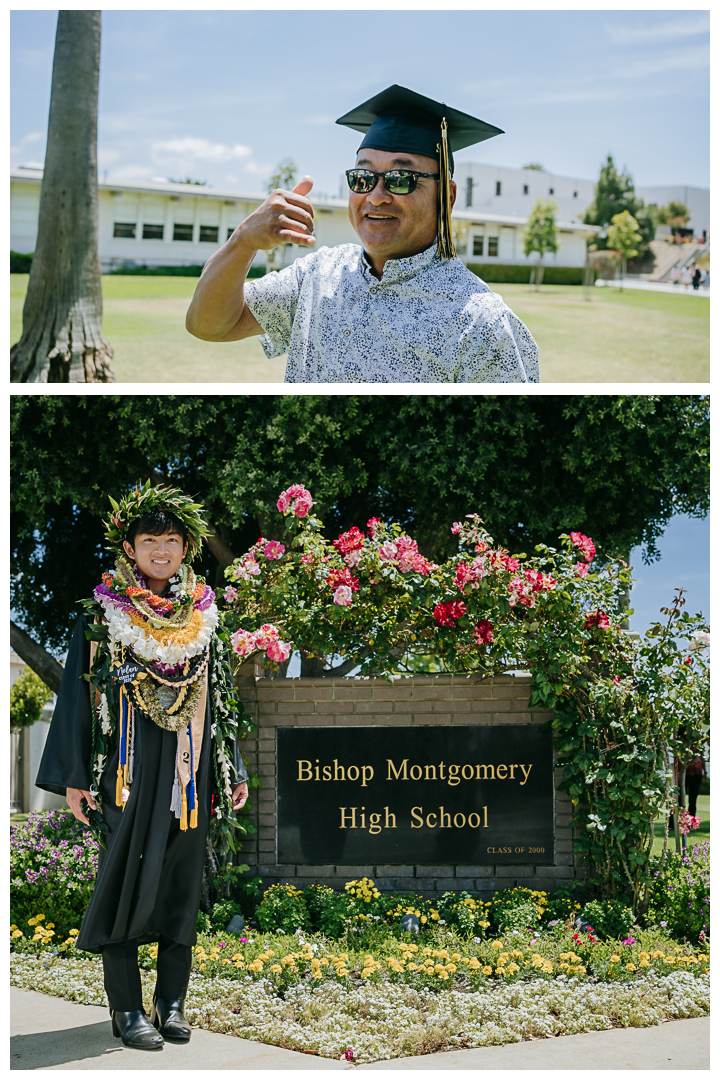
(674, 214)
(614, 467)
(28, 697)
(285, 177)
(615, 192)
(624, 238)
(62, 339)
(540, 234)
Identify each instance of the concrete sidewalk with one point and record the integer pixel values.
(51, 1033)
(653, 286)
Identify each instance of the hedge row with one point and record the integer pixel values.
(173, 271)
(20, 264)
(520, 275)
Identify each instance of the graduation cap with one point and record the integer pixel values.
(399, 119)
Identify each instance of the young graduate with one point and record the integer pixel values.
(142, 737)
(400, 307)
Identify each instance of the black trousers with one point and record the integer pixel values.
(692, 790)
(122, 974)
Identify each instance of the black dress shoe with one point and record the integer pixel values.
(135, 1030)
(167, 1016)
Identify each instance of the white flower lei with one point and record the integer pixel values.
(122, 630)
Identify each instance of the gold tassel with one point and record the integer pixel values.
(446, 247)
(193, 818)
(184, 813)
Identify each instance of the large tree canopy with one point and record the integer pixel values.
(614, 467)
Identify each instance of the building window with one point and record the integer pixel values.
(526, 189)
(551, 191)
(182, 232)
(153, 232)
(574, 194)
(498, 187)
(231, 230)
(209, 234)
(478, 245)
(468, 191)
(124, 230)
(492, 245)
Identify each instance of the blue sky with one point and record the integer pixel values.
(684, 563)
(222, 96)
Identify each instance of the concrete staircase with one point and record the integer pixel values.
(668, 256)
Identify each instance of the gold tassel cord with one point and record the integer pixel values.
(446, 247)
(184, 812)
(119, 780)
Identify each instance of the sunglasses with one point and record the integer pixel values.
(396, 181)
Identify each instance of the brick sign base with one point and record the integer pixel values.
(399, 709)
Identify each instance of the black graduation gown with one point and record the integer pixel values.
(149, 877)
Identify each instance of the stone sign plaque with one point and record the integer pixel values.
(423, 795)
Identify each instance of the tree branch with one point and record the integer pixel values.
(36, 657)
(219, 548)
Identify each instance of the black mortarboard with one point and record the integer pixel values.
(399, 119)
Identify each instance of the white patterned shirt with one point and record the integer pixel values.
(427, 320)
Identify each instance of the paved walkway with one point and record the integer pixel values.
(51, 1033)
(653, 286)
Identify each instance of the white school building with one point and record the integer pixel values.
(166, 224)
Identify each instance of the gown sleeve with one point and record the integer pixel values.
(66, 758)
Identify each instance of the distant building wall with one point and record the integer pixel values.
(180, 225)
(697, 201)
(501, 190)
(442, 700)
(26, 748)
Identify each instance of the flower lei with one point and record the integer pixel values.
(164, 630)
(228, 721)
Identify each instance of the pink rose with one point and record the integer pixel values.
(584, 544)
(266, 635)
(295, 500)
(456, 527)
(230, 594)
(343, 596)
(279, 651)
(598, 619)
(243, 642)
(581, 569)
(353, 558)
(274, 550)
(447, 614)
(388, 551)
(484, 632)
(352, 540)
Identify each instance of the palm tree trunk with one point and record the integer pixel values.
(62, 338)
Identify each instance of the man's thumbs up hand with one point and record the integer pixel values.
(286, 217)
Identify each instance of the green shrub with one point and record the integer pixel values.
(282, 908)
(463, 911)
(520, 275)
(521, 917)
(20, 264)
(165, 271)
(28, 695)
(518, 897)
(222, 913)
(327, 909)
(680, 897)
(609, 918)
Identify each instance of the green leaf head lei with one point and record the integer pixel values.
(143, 500)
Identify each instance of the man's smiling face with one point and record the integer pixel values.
(396, 226)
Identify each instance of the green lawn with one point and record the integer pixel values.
(697, 836)
(628, 336)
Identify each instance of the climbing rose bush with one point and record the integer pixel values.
(623, 707)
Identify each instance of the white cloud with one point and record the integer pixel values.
(693, 58)
(190, 148)
(668, 31)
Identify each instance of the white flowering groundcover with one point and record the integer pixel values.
(384, 1021)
